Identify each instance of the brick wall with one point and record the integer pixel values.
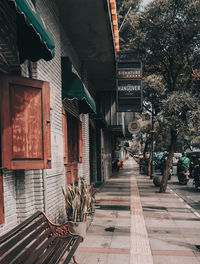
(50, 71)
(25, 201)
(9, 202)
(106, 155)
(30, 190)
(9, 61)
(86, 150)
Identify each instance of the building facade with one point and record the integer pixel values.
(50, 136)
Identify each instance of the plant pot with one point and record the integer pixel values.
(79, 228)
(157, 180)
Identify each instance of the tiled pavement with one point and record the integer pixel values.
(135, 224)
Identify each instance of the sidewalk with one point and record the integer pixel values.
(135, 224)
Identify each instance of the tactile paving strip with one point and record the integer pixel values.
(140, 251)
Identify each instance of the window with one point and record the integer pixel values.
(25, 125)
(73, 139)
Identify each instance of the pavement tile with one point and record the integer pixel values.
(188, 224)
(91, 258)
(183, 215)
(185, 253)
(121, 251)
(162, 244)
(127, 205)
(123, 222)
(160, 223)
(121, 241)
(193, 240)
(174, 260)
(96, 241)
(118, 259)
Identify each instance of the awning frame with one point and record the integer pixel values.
(74, 89)
(46, 39)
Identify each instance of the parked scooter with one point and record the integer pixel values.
(196, 174)
(183, 176)
(183, 172)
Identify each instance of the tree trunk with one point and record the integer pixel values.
(167, 168)
(149, 163)
(145, 146)
(150, 158)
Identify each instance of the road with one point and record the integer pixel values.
(186, 192)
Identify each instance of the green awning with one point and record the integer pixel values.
(34, 40)
(74, 89)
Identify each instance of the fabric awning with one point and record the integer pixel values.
(34, 40)
(74, 89)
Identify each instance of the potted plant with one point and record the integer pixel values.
(79, 204)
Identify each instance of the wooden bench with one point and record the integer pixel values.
(38, 240)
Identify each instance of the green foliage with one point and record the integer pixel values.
(126, 16)
(79, 202)
(167, 34)
(153, 92)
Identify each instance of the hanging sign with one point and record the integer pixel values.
(129, 88)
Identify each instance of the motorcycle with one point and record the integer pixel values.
(183, 176)
(196, 181)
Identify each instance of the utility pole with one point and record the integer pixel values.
(152, 142)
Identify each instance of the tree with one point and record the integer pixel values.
(167, 34)
(154, 90)
(126, 9)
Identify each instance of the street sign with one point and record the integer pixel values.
(134, 127)
(129, 70)
(129, 95)
(129, 86)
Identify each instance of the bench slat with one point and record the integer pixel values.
(36, 254)
(18, 237)
(50, 252)
(73, 249)
(29, 250)
(19, 249)
(60, 252)
(38, 241)
(19, 227)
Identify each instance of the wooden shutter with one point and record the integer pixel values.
(64, 122)
(80, 143)
(25, 108)
(1, 200)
